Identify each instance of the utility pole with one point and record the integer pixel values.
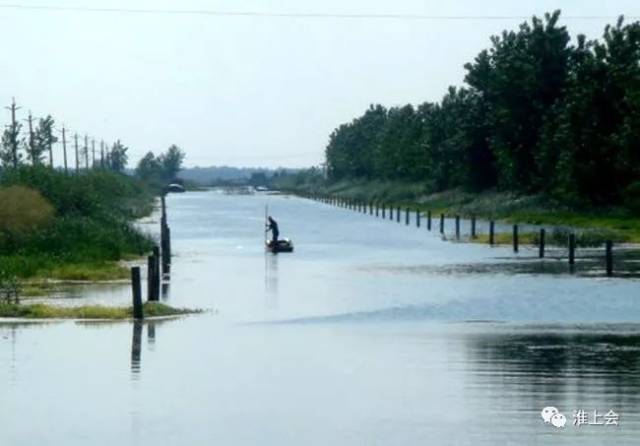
(93, 153)
(86, 151)
(50, 143)
(75, 137)
(64, 149)
(31, 140)
(14, 133)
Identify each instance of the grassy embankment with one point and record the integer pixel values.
(43, 311)
(69, 227)
(592, 225)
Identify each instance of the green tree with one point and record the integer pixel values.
(521, 77)
(10, 155)
(171, 162)
(118, 157)
(44, 139)
(149, 168)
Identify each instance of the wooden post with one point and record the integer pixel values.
(441, 223)
(429, 220)
(138, 311)
(609, 257)
(384, 211)
(156, 272)
(541, 243)
(457, 227)
(492, 231)
(398, 211)
(418, 218)
(515, 238)
(406, 216)
(377, 209)
(572, 249)
(151, 263)
(390, 212)
(473, 226)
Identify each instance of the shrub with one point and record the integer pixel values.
(23, 209)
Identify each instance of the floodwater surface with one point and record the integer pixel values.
(371, 332)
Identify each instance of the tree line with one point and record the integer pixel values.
(539, 113)
(34, 145)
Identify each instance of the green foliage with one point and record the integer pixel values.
(118, 157)
(10, 155)
(92, 223)
(43, 139)
(160, 170)
(23, 209)
(537, 115)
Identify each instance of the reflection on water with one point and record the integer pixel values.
(590, 367)
(136, 347)
(271, 280)
(136, 343)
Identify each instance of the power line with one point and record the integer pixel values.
(290, 15)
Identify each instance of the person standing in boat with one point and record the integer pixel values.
(273, 227)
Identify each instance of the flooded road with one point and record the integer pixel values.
(370, 333)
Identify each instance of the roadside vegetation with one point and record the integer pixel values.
(74, 222)
(43, 311)
(69, 226)
(545, 130)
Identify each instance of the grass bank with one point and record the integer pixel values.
(594, 225)
(43, 311)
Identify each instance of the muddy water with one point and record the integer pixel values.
(370, 333)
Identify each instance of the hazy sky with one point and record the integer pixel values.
(259, 91)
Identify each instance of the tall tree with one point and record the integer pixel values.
(118, 157)
(171, 162)
(44, 139)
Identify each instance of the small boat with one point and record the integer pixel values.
(283, 245)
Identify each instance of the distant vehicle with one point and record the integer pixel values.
(283, 245)
(176, 188)
(261, 189)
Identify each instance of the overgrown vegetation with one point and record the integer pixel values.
(43, 311)
(538, 115)
(63, 224)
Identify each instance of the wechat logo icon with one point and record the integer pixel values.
(551, 415)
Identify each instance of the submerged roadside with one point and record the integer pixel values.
(592, 226)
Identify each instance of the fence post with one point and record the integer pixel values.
(541, 243)
(515, 238)
(457, 227)
(398, 211)
(418, 218)
(151, 263)
(157, 273)
(384, 211)
(377, 209)
(441, 223)
(473, 226)
(406, 216)
(572, 249)
(429, 220)
(609, 257)
(138, 311)
(492, 232)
